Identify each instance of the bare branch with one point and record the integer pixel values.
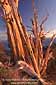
(47, 56)
(43, 20)
(28, 69)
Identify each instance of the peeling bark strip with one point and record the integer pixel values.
(17, 38)
(11, 39)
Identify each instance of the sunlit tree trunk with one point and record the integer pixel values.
(18, 32)
(14, 36)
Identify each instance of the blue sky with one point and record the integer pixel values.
(27, 13)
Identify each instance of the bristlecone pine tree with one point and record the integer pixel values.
(29, 52)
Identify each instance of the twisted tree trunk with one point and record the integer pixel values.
(17, 34)
(21, 45)
(14, 36)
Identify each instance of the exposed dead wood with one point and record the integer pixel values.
(11, 39)
(16, 2)
(39, 49)
(43, 20)
(28, 69)
(34, 62)
(9, 15)
(47, 56)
